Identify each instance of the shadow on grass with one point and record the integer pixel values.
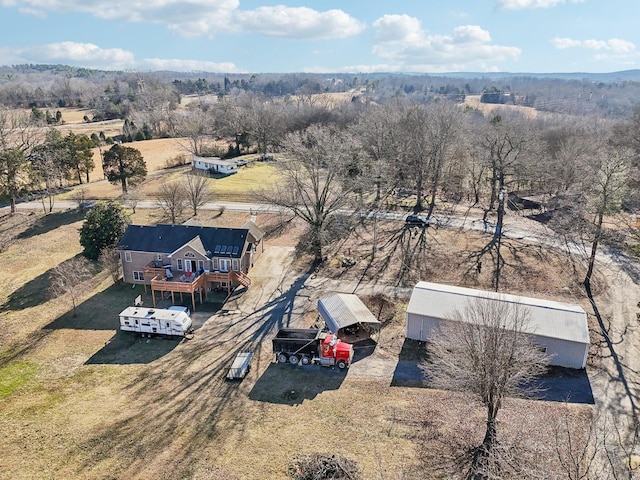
(31, 294)
(100, 312)
(183, 398)
(410, 369)
(37, 290)
(291, 385)
(566, 385)
(51, 221)
(126, 348)
(558, 385)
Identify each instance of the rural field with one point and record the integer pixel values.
(79, 399)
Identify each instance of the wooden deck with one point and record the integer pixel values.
(196, 284)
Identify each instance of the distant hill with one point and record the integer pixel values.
(621, 76)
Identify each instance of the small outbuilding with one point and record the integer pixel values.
(214, 165)
(559, 328)
(343, 310)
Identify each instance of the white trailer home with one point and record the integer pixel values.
(560, 328)
(172, 321)
(214, 165)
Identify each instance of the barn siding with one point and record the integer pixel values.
(563, 353)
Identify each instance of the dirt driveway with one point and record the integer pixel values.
(280, 296)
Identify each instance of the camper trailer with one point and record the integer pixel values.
(155, 321)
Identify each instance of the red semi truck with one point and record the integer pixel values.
(311, 345)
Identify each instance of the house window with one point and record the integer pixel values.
(215, 264)
(179, 264)
(235, 265)
(190, 255)
(138, 276)
(127, 256)
(201, 265)
(159, 257)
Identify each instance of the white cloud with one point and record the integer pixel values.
(397, 28)
(91, 56)
(405, 46)
(155, 11)
(298, 22)
(86, 54)
(526, 4)
(207, 17)
(613, 45)
(616, 49)
(562, 43)
(178, 65)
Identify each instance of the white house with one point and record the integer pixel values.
(560, 328)
(214, 165)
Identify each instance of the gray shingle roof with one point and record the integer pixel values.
(165, 238)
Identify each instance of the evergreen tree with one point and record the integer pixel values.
(103, 226)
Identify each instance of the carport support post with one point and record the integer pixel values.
(193, 302)
(153, 296)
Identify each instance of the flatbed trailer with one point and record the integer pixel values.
(241, 365)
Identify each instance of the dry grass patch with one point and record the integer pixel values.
(89, 402)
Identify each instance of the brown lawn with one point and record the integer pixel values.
(69, 410)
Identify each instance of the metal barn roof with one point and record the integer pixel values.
(343, 310)
(546, 318)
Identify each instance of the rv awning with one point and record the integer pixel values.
(343, 310)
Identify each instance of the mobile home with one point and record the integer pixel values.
(155, 321)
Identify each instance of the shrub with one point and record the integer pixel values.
(317, 466)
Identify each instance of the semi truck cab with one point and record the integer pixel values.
(336, 351)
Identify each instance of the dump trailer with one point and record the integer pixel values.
(311, 345)
(155, 321)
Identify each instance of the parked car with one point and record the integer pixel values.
(416, 221)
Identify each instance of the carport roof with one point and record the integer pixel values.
(343, 310)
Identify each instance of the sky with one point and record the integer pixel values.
(324, 36)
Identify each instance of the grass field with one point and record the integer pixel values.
(80, 400)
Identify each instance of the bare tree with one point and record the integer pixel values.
(606, 190)
(47, 167)
(172, 199)
(580, 452)
(484, 350)
(317, 180)
(110, 261)
(68, 279)
(444, 125)
(131, 198)
(377, 131)
(196, 127)
(17, 137)
(80, 197)
(197, 191)
(508, 147)
(622, 446)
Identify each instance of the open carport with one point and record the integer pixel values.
(343, 310)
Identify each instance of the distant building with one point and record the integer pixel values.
(214, 165)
